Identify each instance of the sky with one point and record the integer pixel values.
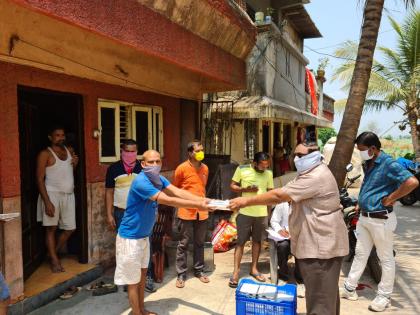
(338, 21)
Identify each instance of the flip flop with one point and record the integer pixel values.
(233, 283)
(95, 286)
(70, 292)
(258, 276)
(106, 289)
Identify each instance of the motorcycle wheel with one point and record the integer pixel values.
(408, 200)
(375, 266)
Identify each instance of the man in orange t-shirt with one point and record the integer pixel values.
(192, 176)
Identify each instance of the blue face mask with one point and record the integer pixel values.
(308, 162)
(152, 173)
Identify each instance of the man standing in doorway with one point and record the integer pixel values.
(132, 246)
(56, 203)
(192, 176)
(317, 231)
(385, 182)
(250, 180)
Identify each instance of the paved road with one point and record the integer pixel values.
(217, 298)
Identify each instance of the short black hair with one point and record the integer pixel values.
(368, 139)
(311, 145)
(126, 142)
(192, 144)
(54, 128)
(261, 156)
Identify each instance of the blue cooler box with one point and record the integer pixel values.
(247, 304)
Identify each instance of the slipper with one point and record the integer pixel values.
(180, 283)
(233, 283)
(70, 292)
(257, 276)
(106, 289)
(203, 278)
(95, 286)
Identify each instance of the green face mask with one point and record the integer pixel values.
(199, 156)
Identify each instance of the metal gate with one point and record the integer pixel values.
(216, 130)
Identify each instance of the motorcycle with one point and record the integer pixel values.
(414, 196)
(351, 217)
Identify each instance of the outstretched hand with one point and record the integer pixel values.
(237, 203)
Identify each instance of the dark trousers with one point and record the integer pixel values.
(321, 283)
(283, 252)
(194, 230)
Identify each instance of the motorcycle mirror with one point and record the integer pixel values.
(349, 167)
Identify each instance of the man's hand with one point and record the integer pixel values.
(250, 189)
(111, 222)
(386, 201)
(205, 205)
(284, 233)
(49, 209)
(74, 159)
(237, 203)
(357, 208)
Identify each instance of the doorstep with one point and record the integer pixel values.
(30, 304)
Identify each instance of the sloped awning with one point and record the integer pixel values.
(264, 107)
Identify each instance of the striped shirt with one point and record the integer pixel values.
(383, 178)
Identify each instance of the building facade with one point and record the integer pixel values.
(105, 70)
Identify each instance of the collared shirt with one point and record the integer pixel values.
(316, 224)
(247, 176)
(280, 217)
(385, 176)
(194, 180)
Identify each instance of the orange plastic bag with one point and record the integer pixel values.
(223, 236)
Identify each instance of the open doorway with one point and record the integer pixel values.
(38, 111)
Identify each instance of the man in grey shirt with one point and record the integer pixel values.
(317, 231)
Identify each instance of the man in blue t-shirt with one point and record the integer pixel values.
(132, 245)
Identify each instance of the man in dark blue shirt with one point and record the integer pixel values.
(385, 182)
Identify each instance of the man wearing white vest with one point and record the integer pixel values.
(56, 203)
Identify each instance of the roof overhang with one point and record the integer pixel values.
(301, 21)
(252, 107)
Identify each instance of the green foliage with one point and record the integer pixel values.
(324, 134)
(388, 137)
(410, 156)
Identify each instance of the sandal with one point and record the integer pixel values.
(233, 283)
(203, 278)
(105, 289)
(70, 292)
(257, 276)
(180, 283)
(95, 286)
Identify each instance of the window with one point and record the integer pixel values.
(120, 120)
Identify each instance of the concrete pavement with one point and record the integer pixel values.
(217, 298)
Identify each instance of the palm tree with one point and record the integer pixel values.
(396, 82)
(372, 16)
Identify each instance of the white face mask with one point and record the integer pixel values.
(307, 162)
(364, 155)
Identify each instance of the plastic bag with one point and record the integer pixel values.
(223, 236)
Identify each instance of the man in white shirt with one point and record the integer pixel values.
(279, 223)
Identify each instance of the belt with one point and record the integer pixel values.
(119, 209)
(377, 214)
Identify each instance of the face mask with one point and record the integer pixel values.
(364, 155)
(129, 160)
(152, 173)
(199, 156)
(308, 162)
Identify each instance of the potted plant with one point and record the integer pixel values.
(322, 65)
